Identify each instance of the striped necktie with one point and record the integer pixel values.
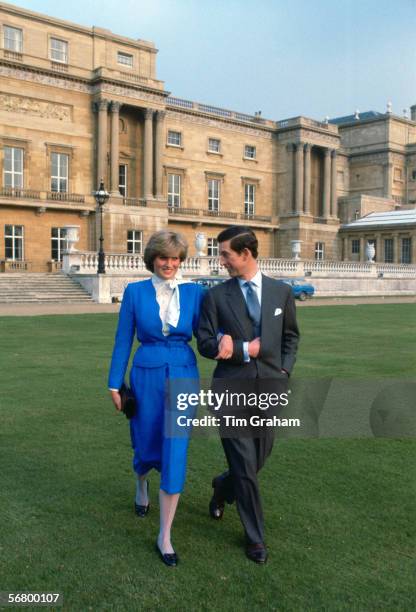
(253, 306)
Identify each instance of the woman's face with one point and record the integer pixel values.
(166, 267)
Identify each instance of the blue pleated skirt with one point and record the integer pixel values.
(156, 440)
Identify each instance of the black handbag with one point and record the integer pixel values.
(128, 401)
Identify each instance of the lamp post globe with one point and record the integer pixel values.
(101, 197)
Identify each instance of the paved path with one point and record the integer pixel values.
(20, 310)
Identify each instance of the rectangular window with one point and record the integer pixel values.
(13, 167)
(319, 250)
(355, 246)
(134, 241)
(125, 58)
(174, 138)
(250, 152)
(13, 39)
(13, 242)
(174, 190)
(388, 250)
(214, 145)
(213, 250)
(58, 243)
(398, 174)
(122, 180)
(214, 195)
(249, 199)
(406, 255)
(59, 172)
(59, 50)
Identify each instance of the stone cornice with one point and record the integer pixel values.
(206, 119)
(89, 86)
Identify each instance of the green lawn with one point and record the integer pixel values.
(339, 512)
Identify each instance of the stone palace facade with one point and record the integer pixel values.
(78, 104)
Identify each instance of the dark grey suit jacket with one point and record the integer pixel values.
(224, 310)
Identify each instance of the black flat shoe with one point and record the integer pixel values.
(216, 504)
(142, 511)
(169, 559)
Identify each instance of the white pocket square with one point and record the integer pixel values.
(277, 312)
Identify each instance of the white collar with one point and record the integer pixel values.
(158, 282)
(256, 280)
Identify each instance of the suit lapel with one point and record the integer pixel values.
(268, 291)
(237, 305)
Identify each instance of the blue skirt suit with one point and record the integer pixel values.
(158, 359)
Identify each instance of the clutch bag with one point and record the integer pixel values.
(128, 401)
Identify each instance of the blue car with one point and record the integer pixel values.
(301, 289)
(208, 281)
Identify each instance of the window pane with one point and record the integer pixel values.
(13, 38)
(8, 248)
(54, 185)
(18, 230)
(54, 160)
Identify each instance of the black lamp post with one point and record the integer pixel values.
(101, 197)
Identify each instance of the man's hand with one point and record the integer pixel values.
(225, 347)
(254, 347)
(115, 396)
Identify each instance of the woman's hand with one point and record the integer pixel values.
(115, 396)
(225, 347)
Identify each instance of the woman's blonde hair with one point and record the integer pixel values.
(165, 244)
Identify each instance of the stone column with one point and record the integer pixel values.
(396, 254)
(160, 127)
(345, 253)
(115, 116)
(413, 250)
(327, 184)
(102, 106)
(307, 180)
(334, 207)
(148, 154)
(290, 206)
(299, 179)
(362, 249)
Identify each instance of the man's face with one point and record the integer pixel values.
(235, 263)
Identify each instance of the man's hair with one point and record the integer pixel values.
(241, 237)
(165, 244)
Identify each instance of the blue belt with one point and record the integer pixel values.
(167, 343)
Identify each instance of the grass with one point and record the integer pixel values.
(338, 511)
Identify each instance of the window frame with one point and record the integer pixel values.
(61, 243)
(246, 147)
(13, 173)
(125, 184)
(131, 242)
(216, 149)
(213, 249)
(58, 176)
(178, 145)
(406, 253)
(126, 55)
(355, 242)
(249, 203)
(319, 251)
(65, 43)
(388, 250)
(214, 198)
(174, 190)
(15, 238)
(10, 27)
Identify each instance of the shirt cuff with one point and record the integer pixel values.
(245, 351)
(109, 388)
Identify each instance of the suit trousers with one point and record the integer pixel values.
(245, 458)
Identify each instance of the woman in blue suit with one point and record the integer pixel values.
(163, 311)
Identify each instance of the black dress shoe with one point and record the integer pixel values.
(142, 511)
(256, 553)
(216, 505)
(169, 559)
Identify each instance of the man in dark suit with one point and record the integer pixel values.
(248, 324)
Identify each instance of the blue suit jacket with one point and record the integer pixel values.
(139, 313)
